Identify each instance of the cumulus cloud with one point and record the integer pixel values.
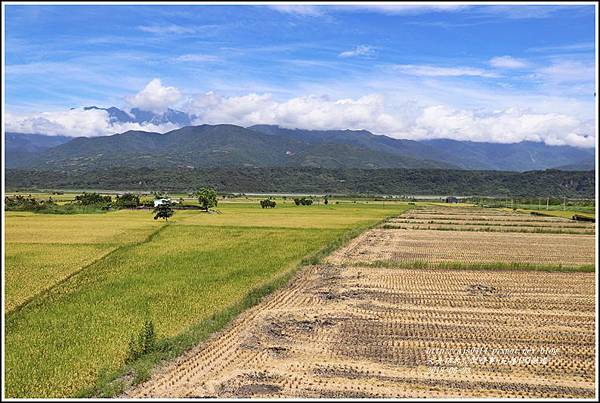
(360, 50)
(506, 126)
(371, 113)
(437, 71)
(308, 112)
(374, 112)
(508, 62)
(155, 97)
(75, 122)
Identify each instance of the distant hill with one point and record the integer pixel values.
(32, 142)
(587, 164)
(272, 146)
(523, 156)
(214, 146)
(24, 147)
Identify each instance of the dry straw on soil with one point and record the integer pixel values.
(363, 332)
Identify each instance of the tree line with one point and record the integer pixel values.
(552, 183)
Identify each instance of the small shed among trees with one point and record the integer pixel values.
(158, 202)
(452, 199)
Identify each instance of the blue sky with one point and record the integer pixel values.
(486, 73)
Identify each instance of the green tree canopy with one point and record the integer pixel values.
(207, 197)
(163, 210)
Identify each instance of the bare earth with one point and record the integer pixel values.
(468, 247)
(341, 330)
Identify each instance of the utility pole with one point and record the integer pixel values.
(547, 202)
(565, 204)
(539, 203)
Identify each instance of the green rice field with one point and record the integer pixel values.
(79, 286)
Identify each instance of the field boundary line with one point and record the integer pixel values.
(491, 266)
(509, 229)
(48, 290)
(168, 349)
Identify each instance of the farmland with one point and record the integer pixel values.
(413, 313)
(79, 286)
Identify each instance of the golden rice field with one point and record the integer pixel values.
(78, 287)
(44, 249)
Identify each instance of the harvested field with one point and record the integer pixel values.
(486, 220)
(487, 217)
(513, 223)
(363, 332)
(343, 330)
(468, 247)
(492, 228)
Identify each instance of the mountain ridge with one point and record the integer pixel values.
(271, 145)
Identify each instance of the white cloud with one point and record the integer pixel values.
(198, 58)
(392, 109)
(75, 122)
(371, 112)
(437, 71)
(155, 97)
(564, 71)
(309, 112)
(388, 9)
(520, 11)
(303, 10)
(166, 29)
(573, 47)
(402, 9)
(505, 126)
(508, 62)
(360, 50)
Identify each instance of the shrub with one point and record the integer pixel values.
(29, 203)
(143, 343)
(267, 203)
(89, 199)
(303, 201)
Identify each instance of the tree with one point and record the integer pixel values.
(163, 210)
(128, 200)
(207, 197)
(89, 199)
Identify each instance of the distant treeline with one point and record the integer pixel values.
(548, 183)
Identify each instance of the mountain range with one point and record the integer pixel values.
(226, 145)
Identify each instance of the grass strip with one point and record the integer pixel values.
(420, 264)
(528, 223)
(533, 230)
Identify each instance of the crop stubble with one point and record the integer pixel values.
(342, 330)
